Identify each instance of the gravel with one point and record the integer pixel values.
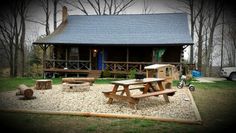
(55, 99)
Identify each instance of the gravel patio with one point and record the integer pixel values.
(180, 106)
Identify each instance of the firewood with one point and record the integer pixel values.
(43, 84)
(26, 91)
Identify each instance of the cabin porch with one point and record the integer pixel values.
(73, 60)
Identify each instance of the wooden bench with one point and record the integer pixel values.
(166, 91)
(74, 80)
(134, 88)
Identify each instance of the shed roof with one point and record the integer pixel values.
(131, 29)
(157, 66)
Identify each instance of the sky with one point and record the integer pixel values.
(155, 6)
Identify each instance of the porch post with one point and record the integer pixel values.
(78, 58)
(153, 55)
(90, 59)
(78, 66)
(127, 59)
(66, 60)
(181, 61)
(53, 60)
(103, 58)
(66, 56)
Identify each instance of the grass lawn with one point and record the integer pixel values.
(8, 84)
(216, 103)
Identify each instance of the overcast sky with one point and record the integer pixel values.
(156, 6)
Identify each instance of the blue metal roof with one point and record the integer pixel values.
(132, 29)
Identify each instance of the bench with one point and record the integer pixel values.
(134, 88)
(169, 92)
(74, 80)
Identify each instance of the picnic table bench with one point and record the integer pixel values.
(147, 88)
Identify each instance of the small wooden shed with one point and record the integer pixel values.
(161, 71)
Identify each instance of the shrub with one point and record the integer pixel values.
(106, 73)
(132, 73)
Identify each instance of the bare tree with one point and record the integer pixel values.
(55, 3)
(101, 7)
(232, 45)
(214, 16)
(199, 31)
(193, 10)
(6, 39)
(13, 28)
(45, 6)
(23, 10)
(146, 7)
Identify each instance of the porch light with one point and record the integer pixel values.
(94, 52)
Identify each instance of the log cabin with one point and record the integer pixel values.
(83, 45)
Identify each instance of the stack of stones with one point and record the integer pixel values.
(76, 86)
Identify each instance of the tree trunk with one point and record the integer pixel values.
(25, 91)
(55, 2)
(209, 52)
(192, 30)
(200, 41)
(218, 6)
(47, 18)
(22, 43)
(15, 62)
(11, 61)
(43, 84)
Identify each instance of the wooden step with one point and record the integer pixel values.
(94, 73)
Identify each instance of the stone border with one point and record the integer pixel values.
(196, 111)
(109, 115)
(196, 120)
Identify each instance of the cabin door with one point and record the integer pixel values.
(97, 59)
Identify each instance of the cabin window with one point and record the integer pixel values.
(74, 53)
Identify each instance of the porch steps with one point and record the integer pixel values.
(95, 73)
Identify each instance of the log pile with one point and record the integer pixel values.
(25, 91)
(74, 80)
(43, 84)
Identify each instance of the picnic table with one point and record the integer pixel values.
(147, 88)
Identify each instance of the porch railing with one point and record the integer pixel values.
(114, 66)
(125, 66)
(70, 64)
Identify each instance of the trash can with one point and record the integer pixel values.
(196, 73)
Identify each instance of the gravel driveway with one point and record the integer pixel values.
(55, 99)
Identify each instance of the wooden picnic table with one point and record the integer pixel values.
(147, 87)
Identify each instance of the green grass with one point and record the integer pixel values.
(8, 84)
(217, 85)
(215, 101)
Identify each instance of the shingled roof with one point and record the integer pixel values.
(132, 29)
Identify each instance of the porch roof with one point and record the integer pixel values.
(129, 29)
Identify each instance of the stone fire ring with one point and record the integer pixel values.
(76, 86)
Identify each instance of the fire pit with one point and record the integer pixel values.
(76, 86)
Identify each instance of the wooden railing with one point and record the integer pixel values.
(125, 66)
(113, 66)
(69, 64)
